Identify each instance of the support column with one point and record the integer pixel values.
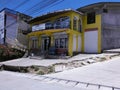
(39, 41)
(71, 22)
(52, 40)
(82, 42)
(70, 45)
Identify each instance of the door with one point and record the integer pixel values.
(45, 43)
(91, 41)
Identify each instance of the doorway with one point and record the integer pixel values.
(45, 43)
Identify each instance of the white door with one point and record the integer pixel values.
(91, 41)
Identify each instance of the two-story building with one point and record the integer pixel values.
(60, 31)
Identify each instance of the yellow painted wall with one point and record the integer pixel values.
(97, 24)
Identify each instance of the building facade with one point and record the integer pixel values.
(12, 27)
(94, 30)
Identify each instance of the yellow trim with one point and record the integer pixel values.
(52, 40)
(99, 33)
(70, 45)
(71, 21)
(82, 41)
(49, 32)
(39, 41)
(82, 34)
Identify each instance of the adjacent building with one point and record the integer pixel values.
(101, 26)
(13, 28)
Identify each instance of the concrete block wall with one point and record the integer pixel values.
(111, 29)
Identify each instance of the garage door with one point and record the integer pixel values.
(91, 41)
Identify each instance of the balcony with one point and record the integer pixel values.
(60, 23)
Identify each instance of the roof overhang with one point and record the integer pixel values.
(99, 5)
(52, 14)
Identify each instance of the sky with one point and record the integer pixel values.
(38, 7)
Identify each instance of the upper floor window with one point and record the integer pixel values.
(75, 23)
(90, 17)
(48, 25)
(80, 25)
(38, 27)
(62, 22)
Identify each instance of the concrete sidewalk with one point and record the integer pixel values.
(45, 62)
(48, 62)
(45, 66)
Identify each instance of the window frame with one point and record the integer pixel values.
(91, 17)
(63, 22)
(75, 21)
(61, 43)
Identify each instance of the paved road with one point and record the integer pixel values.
(16, 81)
(105, 73)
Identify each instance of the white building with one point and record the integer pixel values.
(13, 27)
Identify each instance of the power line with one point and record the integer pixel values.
(48, 7)
(21, 4)
(43, 6)
(34, 6)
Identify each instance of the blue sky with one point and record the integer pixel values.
(37, 7)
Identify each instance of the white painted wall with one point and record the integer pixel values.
(74, 43)
(79, 43)
(2, 26)
(91, 41)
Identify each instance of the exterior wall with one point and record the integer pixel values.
(90, 28)
(23, 26)
(74, 43)
(111, 29)
(11, 26)
(77, 43)
(2, 24)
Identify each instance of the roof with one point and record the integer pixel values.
(13, 11)
(7, 9)
(99, 4)
(52, 14)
